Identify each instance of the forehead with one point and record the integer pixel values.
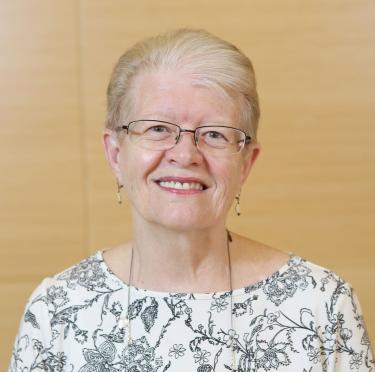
(175, 96)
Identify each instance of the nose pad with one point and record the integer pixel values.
(178, 138)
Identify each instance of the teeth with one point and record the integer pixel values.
(181, 185)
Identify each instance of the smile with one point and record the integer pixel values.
(181, 185)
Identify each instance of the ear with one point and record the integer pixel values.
(250, 155)
(112, 151)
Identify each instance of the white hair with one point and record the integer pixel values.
(210, 61)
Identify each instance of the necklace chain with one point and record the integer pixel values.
(229, 240)
(126, 322)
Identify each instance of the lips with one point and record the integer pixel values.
(181, 183)
(181, 186)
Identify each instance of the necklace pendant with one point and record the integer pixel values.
(123, 322)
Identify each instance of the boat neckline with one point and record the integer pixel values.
(289, 264)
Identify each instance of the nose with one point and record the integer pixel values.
(186, 131)
(185, 151)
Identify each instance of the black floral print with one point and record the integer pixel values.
(177, 351)
(301, 318)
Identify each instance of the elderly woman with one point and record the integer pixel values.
(186, 294)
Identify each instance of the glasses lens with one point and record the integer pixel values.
(153, 134)
(220, 140)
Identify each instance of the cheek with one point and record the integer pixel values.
(227, 174)
(137, 165)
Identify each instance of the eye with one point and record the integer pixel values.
(214, 135)
(159, 129)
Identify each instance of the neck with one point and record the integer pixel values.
(180, 261)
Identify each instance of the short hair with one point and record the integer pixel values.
(209, 60)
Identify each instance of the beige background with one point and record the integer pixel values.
(311, 192)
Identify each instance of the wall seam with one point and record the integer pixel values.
(86, 236)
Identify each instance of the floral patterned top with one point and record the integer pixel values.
(303, 318)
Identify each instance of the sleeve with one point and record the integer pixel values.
(34, 334)
(353, 350)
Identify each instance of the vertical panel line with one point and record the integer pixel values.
(86, 236)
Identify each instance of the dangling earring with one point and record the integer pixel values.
(237, 205)
(118, 194)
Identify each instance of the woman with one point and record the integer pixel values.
(186, 294)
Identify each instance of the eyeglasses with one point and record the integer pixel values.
(162, 135)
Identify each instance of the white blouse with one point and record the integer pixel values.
(303, 318)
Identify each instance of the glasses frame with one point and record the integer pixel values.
(247, 138)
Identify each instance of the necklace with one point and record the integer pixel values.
(126, 322)
(229, 240)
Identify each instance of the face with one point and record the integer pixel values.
(153, 179)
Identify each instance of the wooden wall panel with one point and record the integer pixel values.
(312, 191)
(42, 227)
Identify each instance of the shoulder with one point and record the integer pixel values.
(63, 294)
(88, 275)
(325, 282)
(331, 304)
(257, 263)
(57, 308)
(307, 286)
(329, 291)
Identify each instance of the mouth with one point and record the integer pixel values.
(181, 184)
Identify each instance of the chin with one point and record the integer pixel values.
(184, 222)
